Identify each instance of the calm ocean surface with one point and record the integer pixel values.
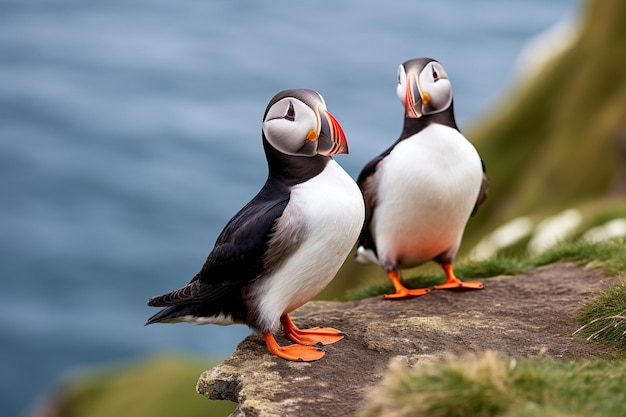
(130, 134)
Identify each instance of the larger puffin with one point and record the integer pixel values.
(283, 247)
(420, 193)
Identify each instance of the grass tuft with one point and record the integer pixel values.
(490, 385)
(604, 318)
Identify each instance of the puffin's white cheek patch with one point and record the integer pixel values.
(442, 95)
(284, 135)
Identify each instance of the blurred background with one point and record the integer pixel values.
(130, 134)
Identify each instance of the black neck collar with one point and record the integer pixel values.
(414, 126)
(292, 170)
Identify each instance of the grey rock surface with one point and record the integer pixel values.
(524, 315)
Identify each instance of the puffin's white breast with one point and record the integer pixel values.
(428, 187)
(331, 209)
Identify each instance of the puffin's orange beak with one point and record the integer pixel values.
(331, 139)
(412, 97)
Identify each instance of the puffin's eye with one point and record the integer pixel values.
(435, 75)
(291, 113)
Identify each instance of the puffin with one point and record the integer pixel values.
(420, 193)
(285, 245)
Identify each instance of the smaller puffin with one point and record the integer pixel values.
(420, 193)
(283, 247)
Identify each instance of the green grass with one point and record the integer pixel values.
(609, 257)
(604, 318)
(163, 386)
(489, 385)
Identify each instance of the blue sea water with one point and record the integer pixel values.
(130, 134)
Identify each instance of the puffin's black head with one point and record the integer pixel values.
(297, 123)
(423, 87)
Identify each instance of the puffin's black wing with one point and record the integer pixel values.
(368, 184)
(484, 189)
(238, 255)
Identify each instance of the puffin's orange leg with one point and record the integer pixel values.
(401, 290)
(453, 283)
(297, 353)
(323, 335)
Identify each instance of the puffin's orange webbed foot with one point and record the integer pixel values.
(401, 291)
(296, 353)
(314, 336)
(406, 293)
(453, 283)
(460, 285)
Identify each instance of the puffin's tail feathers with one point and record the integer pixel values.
(184, 295)
(166, 315)
(195, 313)
(365, 256)
(196, 302)
(194, 292)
